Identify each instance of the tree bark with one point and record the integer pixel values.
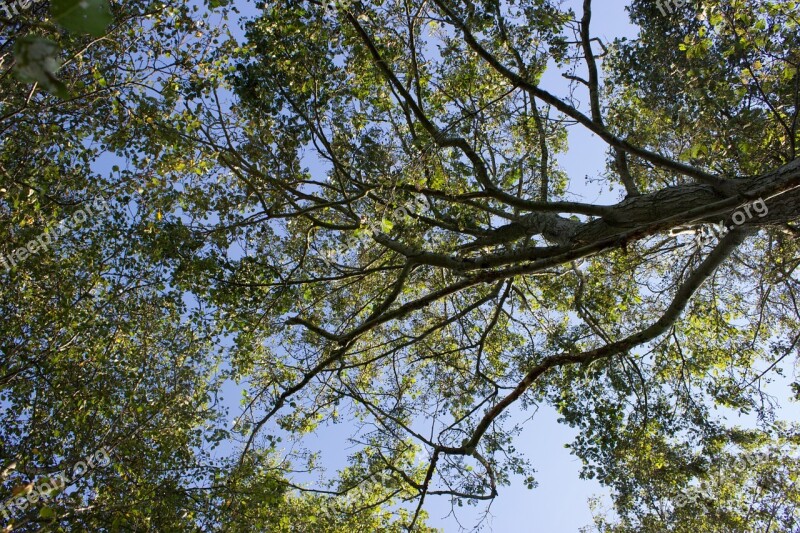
(700, 204)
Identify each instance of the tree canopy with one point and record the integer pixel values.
(354, 213)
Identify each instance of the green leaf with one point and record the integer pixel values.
(83, 16)
(36, 60)
(47, 513)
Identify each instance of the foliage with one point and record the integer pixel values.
(354, 214)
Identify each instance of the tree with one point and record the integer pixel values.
(100, 350)
(365, 200)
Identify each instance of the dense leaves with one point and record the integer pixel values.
(351, 214)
